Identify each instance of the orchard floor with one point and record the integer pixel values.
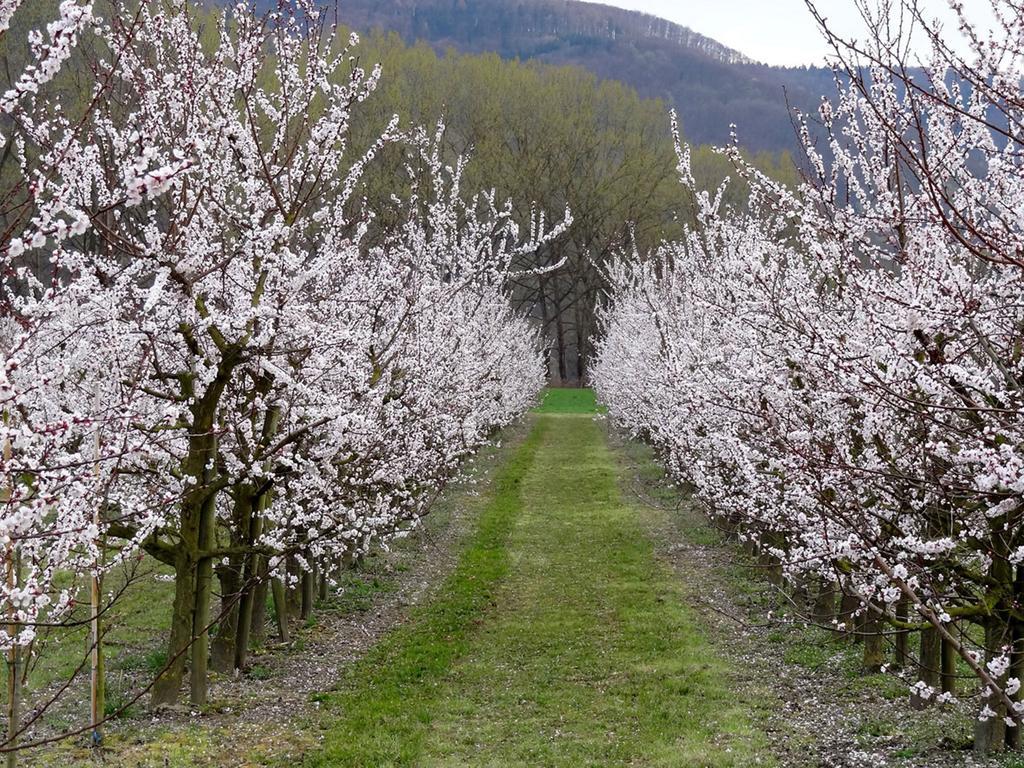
(560, 640)
(569, 608)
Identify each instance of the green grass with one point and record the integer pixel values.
(559, 640)
(810, 648)
(134, 628)
(385, 700)
(358, 592)
(565, 400)
(838, 661)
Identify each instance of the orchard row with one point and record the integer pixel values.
(216, 355)
(837, 370)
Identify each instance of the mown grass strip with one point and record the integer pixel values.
(569, 400)
(381, 709)
(594, 658)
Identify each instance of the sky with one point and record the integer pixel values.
(779, 31)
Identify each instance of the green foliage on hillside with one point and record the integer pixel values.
(711, 85)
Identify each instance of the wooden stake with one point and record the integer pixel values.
(13, 671)
(97, 699)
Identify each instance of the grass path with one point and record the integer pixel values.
(559, 640)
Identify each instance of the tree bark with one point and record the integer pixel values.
(199, 683)
(223, 648)
(14, 654)
(252, 607)
(258, 628)
(848, 607)
(322, 586)
(874, 644)
(251, 615)
(280, 609)
(929, 666)
(581, 344)
(948, 673)
(198, 461)
(293, 591)
(824, 608)
(308, 591)
(563, 371)
(168, 684)
(545, 322)
(990, 734)
(1013, 736)
(1013, 733)
(902, 652)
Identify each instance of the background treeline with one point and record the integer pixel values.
(548, 137)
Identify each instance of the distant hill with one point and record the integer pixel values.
(710, 84)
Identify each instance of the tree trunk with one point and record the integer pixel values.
(293, 591)
(280, 609)
(199, 692)
(948, 674)
(168, 683)
(929, 666)
(223, 648)
(902, 652)
(771, 564)
(14, 653)
(848, 607)
(322, 586)
(990, 734)
(308, 592)
(243, 627)
(581, 345)
(1013, 737)
(198, 466)
(224, 644)
(13, 702)
(98, 680)
(824, 608)
(874, 644)
(563, 371)
(250, 613)
(258, 628)
(249, 626)
(545, 322)
(1013, 733)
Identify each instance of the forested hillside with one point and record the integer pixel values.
(711, 85)
(564, 103)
